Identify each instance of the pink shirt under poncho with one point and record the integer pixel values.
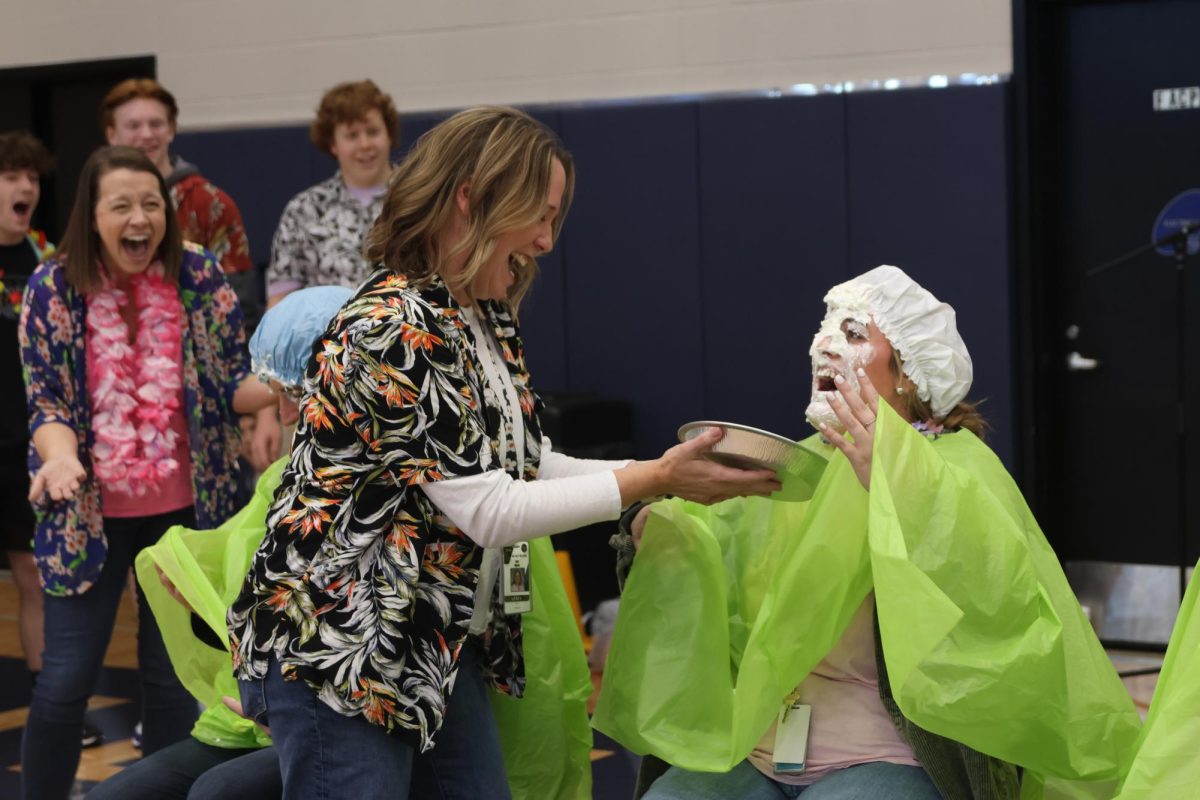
(849, 724)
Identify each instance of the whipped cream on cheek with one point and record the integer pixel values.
(837, 350)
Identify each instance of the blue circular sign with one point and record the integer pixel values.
(1184, 209)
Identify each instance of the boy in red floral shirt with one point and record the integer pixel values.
(140, 113)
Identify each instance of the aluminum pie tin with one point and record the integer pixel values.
(799, 465)
(744, 447)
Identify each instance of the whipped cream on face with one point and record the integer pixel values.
(833, 354)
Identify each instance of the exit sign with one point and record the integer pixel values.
(1181, 99)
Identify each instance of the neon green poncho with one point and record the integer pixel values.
(1166, 764)
(207, 568)
(729, 607)
(544, 736)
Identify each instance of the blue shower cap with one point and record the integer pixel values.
(283, 341)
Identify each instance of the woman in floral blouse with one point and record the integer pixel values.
(377, 611)
(136, 369)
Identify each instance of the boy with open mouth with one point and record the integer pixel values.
(23, 162)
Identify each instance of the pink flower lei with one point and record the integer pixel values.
(135, 390)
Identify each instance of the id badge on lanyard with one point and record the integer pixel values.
(790, 753)
(514, 584)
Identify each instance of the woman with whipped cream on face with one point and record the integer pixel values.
(855, 365)
(924, 626)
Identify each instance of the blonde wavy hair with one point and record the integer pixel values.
(963, 415)
(506, 157)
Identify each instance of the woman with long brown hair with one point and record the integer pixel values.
(137, 368)
(380, 606)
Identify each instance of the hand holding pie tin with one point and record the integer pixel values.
(798, 464)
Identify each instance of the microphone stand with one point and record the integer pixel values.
(1179, 244)
(1176, 240)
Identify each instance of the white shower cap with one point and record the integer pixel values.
(283, 341)
(919, 326)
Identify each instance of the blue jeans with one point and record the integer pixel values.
(78, 629)
(877, 780)
(324, 754)
(192, 770)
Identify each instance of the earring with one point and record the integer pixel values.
(899, 390)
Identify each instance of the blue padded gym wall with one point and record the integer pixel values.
(929, 192)
(772, 240)
(689, 276)
(634, 318)
(261, 169)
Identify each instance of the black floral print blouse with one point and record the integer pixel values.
(362, 587)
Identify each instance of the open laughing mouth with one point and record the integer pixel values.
(136, 247)
(517, 262)
(824, 379)
(21, 208)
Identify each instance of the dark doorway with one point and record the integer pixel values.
(60, 103)
(1110, 375)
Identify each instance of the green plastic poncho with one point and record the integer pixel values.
(544, 736)
(1166, 763)
(729, 607)
(207, 568)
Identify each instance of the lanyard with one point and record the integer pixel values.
(496, 375)
(498, 379)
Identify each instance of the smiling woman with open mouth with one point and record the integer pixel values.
(137, 369)
(385, 606)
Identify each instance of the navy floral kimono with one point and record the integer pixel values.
(69, 543)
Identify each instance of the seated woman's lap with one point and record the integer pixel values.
(743, 782)
(253, 775)
(877, 780)
(173, 772)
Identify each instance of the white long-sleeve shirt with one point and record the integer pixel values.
(495, 509)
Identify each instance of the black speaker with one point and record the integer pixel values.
(585, 425)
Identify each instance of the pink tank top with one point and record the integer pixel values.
(849, 724)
